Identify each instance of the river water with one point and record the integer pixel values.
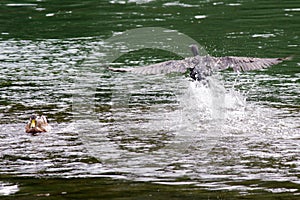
(126, 136)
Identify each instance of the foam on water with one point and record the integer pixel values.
(202, 115)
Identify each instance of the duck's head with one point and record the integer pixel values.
(33, 121)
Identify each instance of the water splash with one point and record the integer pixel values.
(204, 110)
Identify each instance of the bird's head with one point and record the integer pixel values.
(194, 49)
(32, 121)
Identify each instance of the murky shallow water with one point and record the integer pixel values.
(155, 129)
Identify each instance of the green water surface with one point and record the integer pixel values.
(44, 41)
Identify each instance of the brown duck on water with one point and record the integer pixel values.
(37, 124)
(203, 66)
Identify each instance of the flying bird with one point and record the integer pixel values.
(202, 66)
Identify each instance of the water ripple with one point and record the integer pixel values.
(161, 129)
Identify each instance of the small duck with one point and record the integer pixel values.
(37, 124)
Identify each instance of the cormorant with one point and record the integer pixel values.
(203, 66)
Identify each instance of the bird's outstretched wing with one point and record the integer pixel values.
(215, 63)
(244, 63)
(158, 68)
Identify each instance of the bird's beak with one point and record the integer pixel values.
(33, 123)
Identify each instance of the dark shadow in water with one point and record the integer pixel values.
(106, 188)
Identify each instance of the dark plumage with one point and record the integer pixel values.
(203, 66)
